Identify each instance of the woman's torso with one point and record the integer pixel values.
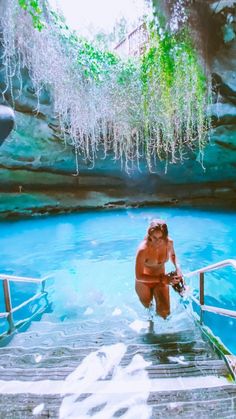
(155, 258)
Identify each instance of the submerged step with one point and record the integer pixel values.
(39, 357)
(130, 327)
(98, 336)
(214, 367)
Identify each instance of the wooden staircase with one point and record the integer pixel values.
(105, 370)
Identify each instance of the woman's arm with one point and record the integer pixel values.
(139, 268)
(174, 260)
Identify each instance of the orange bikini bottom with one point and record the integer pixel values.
(152, 284)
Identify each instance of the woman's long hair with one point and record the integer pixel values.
(157, 225)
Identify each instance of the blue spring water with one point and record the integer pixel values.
(91, 256)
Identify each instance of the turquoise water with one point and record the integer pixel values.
(91, 259)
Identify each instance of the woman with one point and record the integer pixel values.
(151, 281)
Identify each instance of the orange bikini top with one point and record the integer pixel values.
(154, 262)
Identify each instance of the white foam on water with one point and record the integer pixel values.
(177, 359)
(138, 325)
(97, 364)
(37, 358)
(52, 387)
(117, 312)
(173, 405)
(106, 400)
(88, 311)
(38, 409)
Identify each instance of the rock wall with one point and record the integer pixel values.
(34, 157)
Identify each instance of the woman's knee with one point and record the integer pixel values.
(163, 313)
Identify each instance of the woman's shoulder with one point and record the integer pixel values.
(142, 246)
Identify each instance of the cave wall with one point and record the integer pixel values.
(34, 156)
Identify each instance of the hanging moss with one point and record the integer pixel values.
(150, 108)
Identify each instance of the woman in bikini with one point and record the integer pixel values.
(151, 281)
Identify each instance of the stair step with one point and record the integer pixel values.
(55, 339)
(101, 337)
(158, 350)
(208, 409)
(215, 367)
(214, 402)
(171, 335)
(41, 357)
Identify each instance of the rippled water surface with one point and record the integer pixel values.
(91, 258)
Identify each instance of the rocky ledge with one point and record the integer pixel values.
(37, 203)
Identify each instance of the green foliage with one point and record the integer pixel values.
(33, 8)
(93, 63)
(174, 91)
(127, 71)
(165, 53)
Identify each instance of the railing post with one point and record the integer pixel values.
(201, 290)
(43, 286)
(7, 298)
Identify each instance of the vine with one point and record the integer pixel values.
(174, 95)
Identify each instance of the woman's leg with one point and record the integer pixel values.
(144, 292)
(162, 298)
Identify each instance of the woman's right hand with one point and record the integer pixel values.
(173, 279)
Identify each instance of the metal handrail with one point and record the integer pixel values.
(23, 278)
(213, 267)
(8, 314)
(200, 302)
